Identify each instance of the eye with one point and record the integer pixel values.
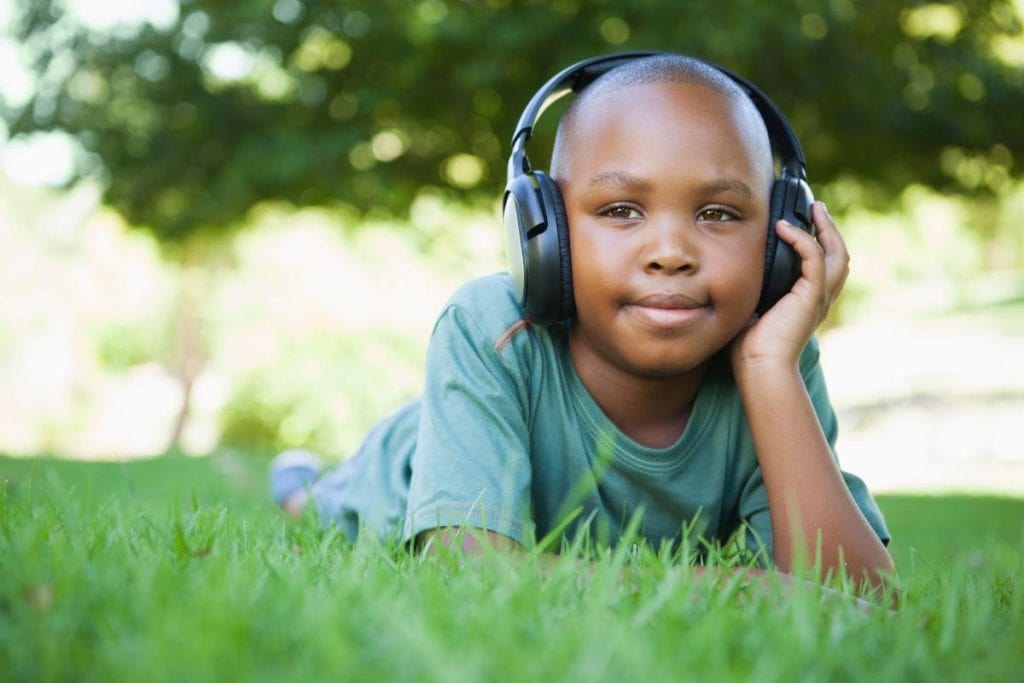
(717, 214)
(623, 212)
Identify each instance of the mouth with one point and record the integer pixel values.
(668, 310)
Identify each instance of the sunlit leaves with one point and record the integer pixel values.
(195, 116)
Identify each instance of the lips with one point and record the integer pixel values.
(668, 301)
(668, 310)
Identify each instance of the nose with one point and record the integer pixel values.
(672, 246)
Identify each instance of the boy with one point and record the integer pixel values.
(663, 394)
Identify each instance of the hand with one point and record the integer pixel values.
(781, 333)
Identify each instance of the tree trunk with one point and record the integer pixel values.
(189, 352)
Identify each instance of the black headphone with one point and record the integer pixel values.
(537, 232)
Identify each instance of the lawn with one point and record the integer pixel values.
(181, 569)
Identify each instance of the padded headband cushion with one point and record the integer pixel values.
(775, 211)
(567, 303)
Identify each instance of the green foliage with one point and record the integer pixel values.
(323, 393)
(367, 103)
(120, 346)
(179, 569)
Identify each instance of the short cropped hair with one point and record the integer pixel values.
(666, 68)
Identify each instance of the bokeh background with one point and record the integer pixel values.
(227, 227)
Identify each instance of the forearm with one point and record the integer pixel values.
(806, 492)
(753, 582)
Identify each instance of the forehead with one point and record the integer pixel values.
(667, 120)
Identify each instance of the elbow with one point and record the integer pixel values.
(881, 582)
(469, 542)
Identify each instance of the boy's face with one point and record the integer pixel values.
(666, 190)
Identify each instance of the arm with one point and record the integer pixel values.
(806, 493)
(470, 543)
(471, 466)
(759, 581)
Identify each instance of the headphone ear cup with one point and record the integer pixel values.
(791, 201)
(772, 243)
(519, 213)
(537, 245)
(553, 201)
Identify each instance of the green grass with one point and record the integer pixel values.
(181, 569)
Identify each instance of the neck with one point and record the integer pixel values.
(653, 411)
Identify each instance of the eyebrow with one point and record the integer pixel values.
(623, 180)
(734, 185)
(620, 180)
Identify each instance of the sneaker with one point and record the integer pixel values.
(291, 473)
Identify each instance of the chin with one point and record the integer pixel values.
(666, 368)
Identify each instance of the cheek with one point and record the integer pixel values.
(742, 267)
(595, 258)
(588, 270)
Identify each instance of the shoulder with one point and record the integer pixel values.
(490, 294)
(487, 306)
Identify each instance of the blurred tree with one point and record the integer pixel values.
(364, 104)
(368, 102)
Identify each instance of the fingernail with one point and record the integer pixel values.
(824, 207)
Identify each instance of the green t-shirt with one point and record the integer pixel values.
(506, 438)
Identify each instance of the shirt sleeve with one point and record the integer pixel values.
(754, 498)
(471, 466)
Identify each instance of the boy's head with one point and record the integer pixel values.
(660, 69)
(665, 169)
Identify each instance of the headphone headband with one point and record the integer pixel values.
(575, 78)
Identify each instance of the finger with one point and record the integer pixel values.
(837, 257)
(811, 253)
(821, 217)
(826, 231)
